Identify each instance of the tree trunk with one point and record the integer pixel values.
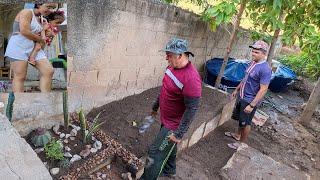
(275, 39)
(231, 40)
(311, 106)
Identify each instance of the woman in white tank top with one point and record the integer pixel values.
(26, 29)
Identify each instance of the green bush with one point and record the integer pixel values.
(303, 65)
(54, 150)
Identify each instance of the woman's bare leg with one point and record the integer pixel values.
(46, 72)
(19, 69)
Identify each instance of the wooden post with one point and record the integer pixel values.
(311, 106)
(231, 40)
(274, 39)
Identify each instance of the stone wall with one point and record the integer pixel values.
(113, 50)
(33, 110)
(17, 158)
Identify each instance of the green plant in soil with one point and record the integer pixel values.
(65, 110)
(41, 137)
(9, 108)
(86, 129)
(54, 150)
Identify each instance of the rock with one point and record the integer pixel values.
(68, 135)
(75, 158)
(67, 154)
(126, 176)
(85, 153)
(99, 174)
(93, 150)
(54, 171)
(88, 146)
(312, 159)
(294, 166)
(72, 138)
(39, 150)
(62, 135)
(55, 129)
(75, 145)
(78, 128)
(97, 145)
(67, 148)
(66, 141)
(103, 176)
(109, 167)
(93, 138)
(73, 132)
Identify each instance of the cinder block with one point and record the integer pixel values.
(83, 77)
(211, 125)
(197, 135)
(108, 76)
(227, 112)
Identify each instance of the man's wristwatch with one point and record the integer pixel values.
(251, 106)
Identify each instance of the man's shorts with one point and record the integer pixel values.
(238, 114)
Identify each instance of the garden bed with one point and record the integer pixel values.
(124, 117)
(107, 160)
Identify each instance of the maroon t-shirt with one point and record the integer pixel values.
(171, 96)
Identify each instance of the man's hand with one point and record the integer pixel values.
(154, 113)
(248, 109)
(174, 139)
(234, 94)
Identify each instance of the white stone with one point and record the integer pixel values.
(55, 129)
(67, 148)
(54, 171)
(75, 145)
(62, 135)
(104, 176)
(67, 154)
(39, 150)
(68, 135)
(73, 132)
(75, 158)
(97, 145)
(72, 138)
(93, 150)
(109, 167)
(66, 141)
(73, 126)
(93, 138)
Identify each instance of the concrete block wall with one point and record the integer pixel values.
(33, 110)
(199, 130)
(113, 51)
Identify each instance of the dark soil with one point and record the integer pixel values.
(120, 115)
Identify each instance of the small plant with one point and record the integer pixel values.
(41, 137)
(64, 163)
(86, 129)
(54, 150)
(65, 110)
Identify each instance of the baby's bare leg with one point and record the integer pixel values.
(32, 57)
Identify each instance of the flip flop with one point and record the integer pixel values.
(229, 134)
(234, 145)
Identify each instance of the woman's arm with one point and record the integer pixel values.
(25, 18)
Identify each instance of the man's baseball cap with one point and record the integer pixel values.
(177, 46)
(260, 45)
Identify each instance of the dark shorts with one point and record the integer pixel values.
(238, 114)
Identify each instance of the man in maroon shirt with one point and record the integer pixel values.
(178, 101)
